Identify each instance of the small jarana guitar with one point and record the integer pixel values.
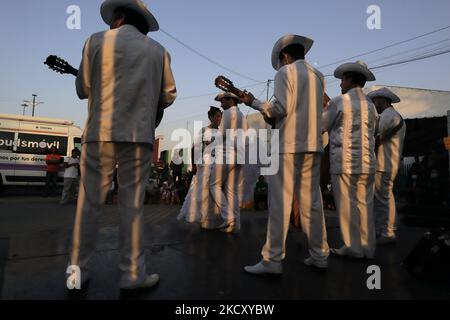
(59, 65)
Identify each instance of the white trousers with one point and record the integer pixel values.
(299, 173)
(98, 164)
(384, 204)
(70, 190)
(353, 195)
(224, 188)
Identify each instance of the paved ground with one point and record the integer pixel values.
(193, 264)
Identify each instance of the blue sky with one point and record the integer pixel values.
(238, 34)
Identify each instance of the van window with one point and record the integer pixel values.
(6, 141)
(77, 143)
(40, 144)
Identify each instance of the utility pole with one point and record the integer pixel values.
(33, 103)
(24, 105)
(268, 88)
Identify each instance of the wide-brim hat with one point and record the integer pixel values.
(223, 95)
(384, 93)
(108, 7)
(358, 67)
(286, 41)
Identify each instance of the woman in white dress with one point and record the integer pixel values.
(199, 207)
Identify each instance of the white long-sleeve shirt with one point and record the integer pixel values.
(390, 152)
(297, 107)
(351, 121)
(204, 146)
(231, 147)
(126, 76)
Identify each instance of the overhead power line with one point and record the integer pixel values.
(207, 58)
(422, 56)
(392, 65)
(409, 51)
(386, 47)
(427, 56)
(214, 93)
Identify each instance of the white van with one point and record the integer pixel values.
(24, 142)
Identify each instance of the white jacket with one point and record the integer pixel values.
(351, 121)
(231, 146)
(125, 75)
(390, 152)
(297, 107)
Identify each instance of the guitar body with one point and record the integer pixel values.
(61, 66)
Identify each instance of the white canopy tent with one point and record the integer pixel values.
(419, 103)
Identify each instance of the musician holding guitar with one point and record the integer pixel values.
(297, 110)
(126, 76)
(60, 65)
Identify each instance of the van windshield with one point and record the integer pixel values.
(77, 143)
(6, 141)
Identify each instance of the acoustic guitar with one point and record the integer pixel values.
(59, 65)
(227, 85)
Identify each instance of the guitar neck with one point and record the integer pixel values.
(73, 71)
(235, 91)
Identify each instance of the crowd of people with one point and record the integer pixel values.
(167, 184)
(167, 190)
(427, 180)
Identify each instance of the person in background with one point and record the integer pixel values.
(71, 177)
(152, 192)
(167, 191)
(186, 184)
(261, 190)
(163, 172)
(438, 175)
(53, 161)
(176, 165)
(391, 134)
(413, 181)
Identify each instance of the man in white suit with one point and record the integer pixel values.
(391, 134)
(126, 76)
(351, 121)
(297, 110)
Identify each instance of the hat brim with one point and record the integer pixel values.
(108, 7)
(286, 41)
(384, 94)
(354, 67)
(221, 96)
